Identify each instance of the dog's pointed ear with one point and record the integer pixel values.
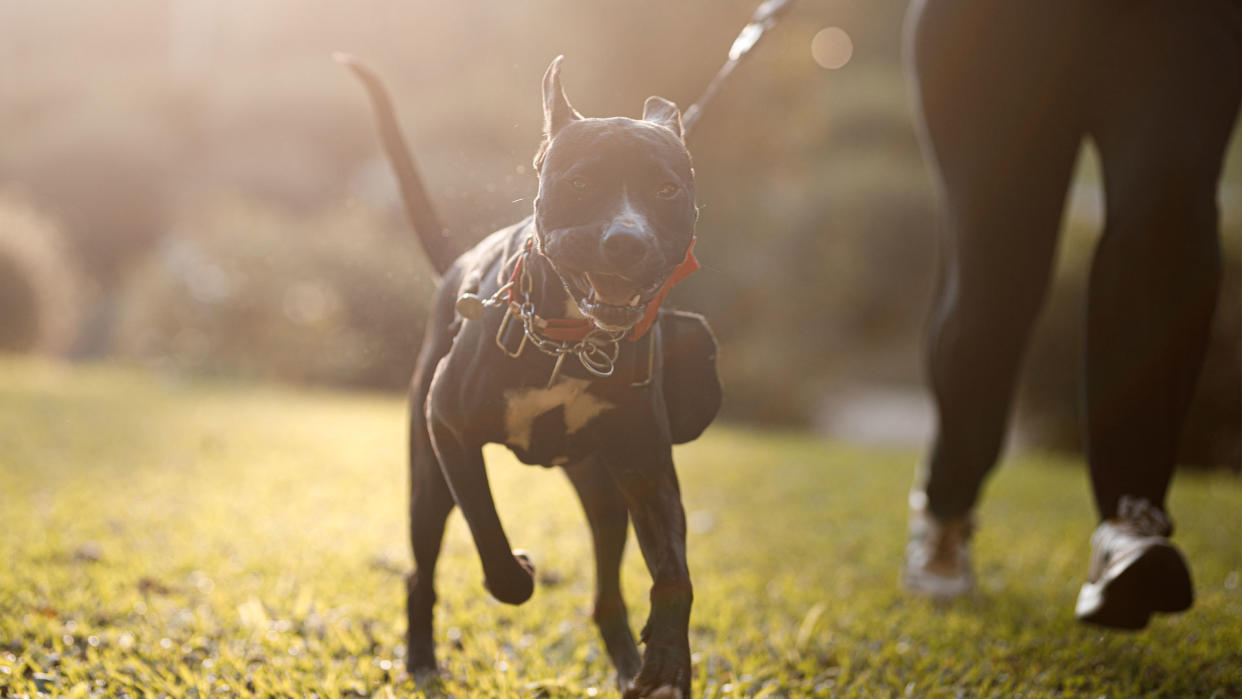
(658, 110)
(557, 111)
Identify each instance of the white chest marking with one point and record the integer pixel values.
(526, 404)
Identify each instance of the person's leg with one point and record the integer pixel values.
(991, 82)
(1164, 98)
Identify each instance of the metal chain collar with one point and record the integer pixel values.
(597, 351)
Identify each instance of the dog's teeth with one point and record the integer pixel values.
(634, 301)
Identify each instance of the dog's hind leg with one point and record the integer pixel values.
(430, 504)
(609, 518)
(431, 501)
(508, 576)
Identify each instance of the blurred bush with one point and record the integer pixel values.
(819, 265)
(245, 289)
(39, 291)
(109, 175)
(837, 299)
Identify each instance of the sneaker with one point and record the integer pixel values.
(937, 561)
(1135, 570)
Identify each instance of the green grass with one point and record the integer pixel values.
(191, 538)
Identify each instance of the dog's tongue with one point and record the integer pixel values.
(613, 290)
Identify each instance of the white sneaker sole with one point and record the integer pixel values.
(1149, 580)
(941, 588)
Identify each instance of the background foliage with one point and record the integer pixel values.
(211, 185)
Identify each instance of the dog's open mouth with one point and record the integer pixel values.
(614, 302)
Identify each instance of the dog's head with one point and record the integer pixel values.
(615, 212)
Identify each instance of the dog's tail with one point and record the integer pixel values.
(440, 249)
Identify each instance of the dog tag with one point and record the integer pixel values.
(470, 306)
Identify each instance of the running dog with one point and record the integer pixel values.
(548, 337)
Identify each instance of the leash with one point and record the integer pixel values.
(765, 18)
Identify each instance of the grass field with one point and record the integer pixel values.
(190, 538)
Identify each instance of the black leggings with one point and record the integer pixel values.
(1006, 92)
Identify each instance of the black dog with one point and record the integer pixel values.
(547, 337)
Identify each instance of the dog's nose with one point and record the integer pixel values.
(624, 245)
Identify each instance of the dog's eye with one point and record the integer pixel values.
(578, 184)
(668, 191)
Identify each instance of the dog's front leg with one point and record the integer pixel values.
(508, 576)
(649, 483)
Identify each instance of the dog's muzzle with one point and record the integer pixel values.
(616, 303)
(612, 301)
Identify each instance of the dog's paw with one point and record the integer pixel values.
(423, 675)
(664, 675)
(518, 584)
(421, 661)
(624, 681)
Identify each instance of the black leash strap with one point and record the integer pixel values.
(764, 18)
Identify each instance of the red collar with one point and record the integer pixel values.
(687, 267)
(574, 329)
